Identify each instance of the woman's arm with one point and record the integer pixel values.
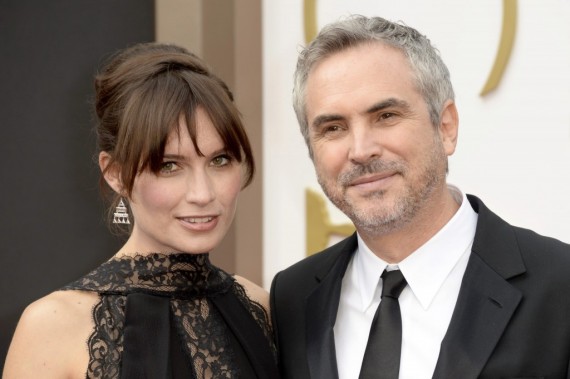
(50, 340)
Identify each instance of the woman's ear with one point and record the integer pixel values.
(111, 174)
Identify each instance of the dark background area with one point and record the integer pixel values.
(52, 226)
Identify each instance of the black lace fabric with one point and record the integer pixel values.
(190, 280)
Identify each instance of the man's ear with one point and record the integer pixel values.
(449, 127)
(111, 174)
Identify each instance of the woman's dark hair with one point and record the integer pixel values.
(140, 95)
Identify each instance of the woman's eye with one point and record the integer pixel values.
(221, 160)
(168, 167)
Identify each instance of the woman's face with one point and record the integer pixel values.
(190, 204)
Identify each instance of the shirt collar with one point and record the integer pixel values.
(426, 268)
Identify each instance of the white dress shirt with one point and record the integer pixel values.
(433, 272)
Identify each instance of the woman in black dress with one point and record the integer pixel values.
(174, 156)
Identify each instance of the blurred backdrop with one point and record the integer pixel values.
(51, 226)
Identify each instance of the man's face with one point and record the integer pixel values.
(376, 153)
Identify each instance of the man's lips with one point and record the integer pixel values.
(366, 179)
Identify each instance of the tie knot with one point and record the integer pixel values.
(393, 283)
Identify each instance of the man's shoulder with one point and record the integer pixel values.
(533, 243)
(525, 237)
(323, 259)
(304, 275)
(535, 249)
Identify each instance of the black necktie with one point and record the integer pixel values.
(382, 355)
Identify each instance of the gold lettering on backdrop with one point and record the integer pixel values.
(319, 227)
(503, 54)
(505, 46)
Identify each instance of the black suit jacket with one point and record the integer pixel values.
(511, 320)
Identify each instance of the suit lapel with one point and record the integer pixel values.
(321, 309)
(484, 307)
(486, 300)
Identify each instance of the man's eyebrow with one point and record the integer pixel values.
(388, 103)
(385, 104)
(322, 119)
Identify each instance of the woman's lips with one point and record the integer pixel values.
(199, 223)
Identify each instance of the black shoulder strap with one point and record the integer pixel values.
(152, 349)
(249, 335)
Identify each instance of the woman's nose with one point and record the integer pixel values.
(200, 189)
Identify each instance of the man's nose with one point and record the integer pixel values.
(365, 144)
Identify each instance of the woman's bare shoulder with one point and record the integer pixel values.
(60, 309)
(254, 292)
(51, 337)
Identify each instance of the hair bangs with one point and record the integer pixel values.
(147, 124)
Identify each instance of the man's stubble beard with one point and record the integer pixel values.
(378, 218)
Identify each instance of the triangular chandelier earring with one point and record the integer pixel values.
(121, 216)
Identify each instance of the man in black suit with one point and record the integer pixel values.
(480, 298)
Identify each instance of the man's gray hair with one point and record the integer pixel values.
(432, 77)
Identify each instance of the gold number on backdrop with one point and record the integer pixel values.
(505, 46)
(503, 54)
(319, 227)
(310, 17)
